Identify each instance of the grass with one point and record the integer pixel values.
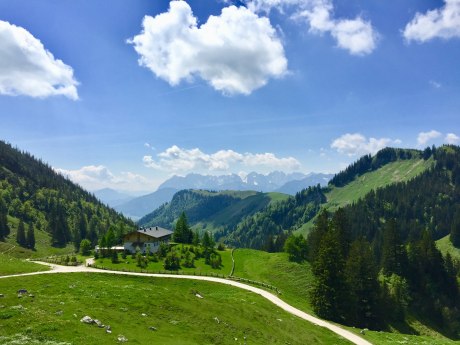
(445, 246)
(293, 279)
(129, 264)
(394, 172)
(42, 244)
(11, 265)
(250, 203)
(130, 305)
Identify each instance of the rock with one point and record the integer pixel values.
(198, 295)
(59, 312)
(2, 295)
(31, 296)
(98, 323)
(87, 319)
(108, 329)
(152, 328)
(217, 320)
(144, 314)
(22, 291)
(122, 338)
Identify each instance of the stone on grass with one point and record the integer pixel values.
(152, 328)
(98, 323)
(87, 319)
(2, 295)
(122, 339)
(198, 295)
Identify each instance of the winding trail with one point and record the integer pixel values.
(56, 269)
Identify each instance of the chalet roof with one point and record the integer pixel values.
(155, 231)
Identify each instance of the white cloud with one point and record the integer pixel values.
(435, 84)
(451, 138)
(439, 23)
(235, 52)
(94, 177)
(358, 144)
(27, 68)
(425, 137)
(176, 159)
(355, 35)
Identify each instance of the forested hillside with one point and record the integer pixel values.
(210, 210)
(33, 197)
(376, 263)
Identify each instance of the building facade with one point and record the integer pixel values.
(146, 239)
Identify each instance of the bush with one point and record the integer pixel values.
(221, 246)
(172, 261)
(85, 247)
(189, 260)
(96, 255)
(142, 261)
(124, 255)
(114, 257)
(215, 260)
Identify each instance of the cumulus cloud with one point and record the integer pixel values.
(357, 144)
(94, 177)
(27, 68)
(425, 137)
(438, 23)
(355, 35)
(176, 159)
(235, 52)
(452, 139)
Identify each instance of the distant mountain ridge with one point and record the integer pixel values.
(112, 197)
(274, 181)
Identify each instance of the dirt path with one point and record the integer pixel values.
(267, 295)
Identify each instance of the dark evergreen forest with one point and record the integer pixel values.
(34, 193)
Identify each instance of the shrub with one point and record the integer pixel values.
(172, 261)
(215, 260)
(114, 257)
(85, 247)
(221, 246)
(189, 260)
(142, 261)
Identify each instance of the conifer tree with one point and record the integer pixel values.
(315, 236)
(340, 224)
(361, 274)
(182, 232)
(455, 229)
(30, 236)
(394, 256)
(4, 228)
(21, 234)
(328, 294)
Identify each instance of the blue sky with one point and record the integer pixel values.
(262, 85)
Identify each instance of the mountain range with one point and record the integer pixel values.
(276, 181)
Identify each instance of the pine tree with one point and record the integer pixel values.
(455, 229)
(21, 235)
(30, 236)
(4, 228)
(394, 256)
(361, 275)
(328, 295)
(316, 235)
(340, 224)
(182, 232)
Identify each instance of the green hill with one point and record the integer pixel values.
(210, 210)
(145, 310)
(60, 212)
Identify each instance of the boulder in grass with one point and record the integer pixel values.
(87, 319)
(122, 338)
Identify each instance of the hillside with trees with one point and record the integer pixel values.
(210, 210)
(37, 202)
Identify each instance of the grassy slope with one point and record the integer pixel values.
(398, 171)
(200, 267)
(171, 306)
(445, 246)
(251, 202)
(42, 244)
(11, 265)
(294, 281)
